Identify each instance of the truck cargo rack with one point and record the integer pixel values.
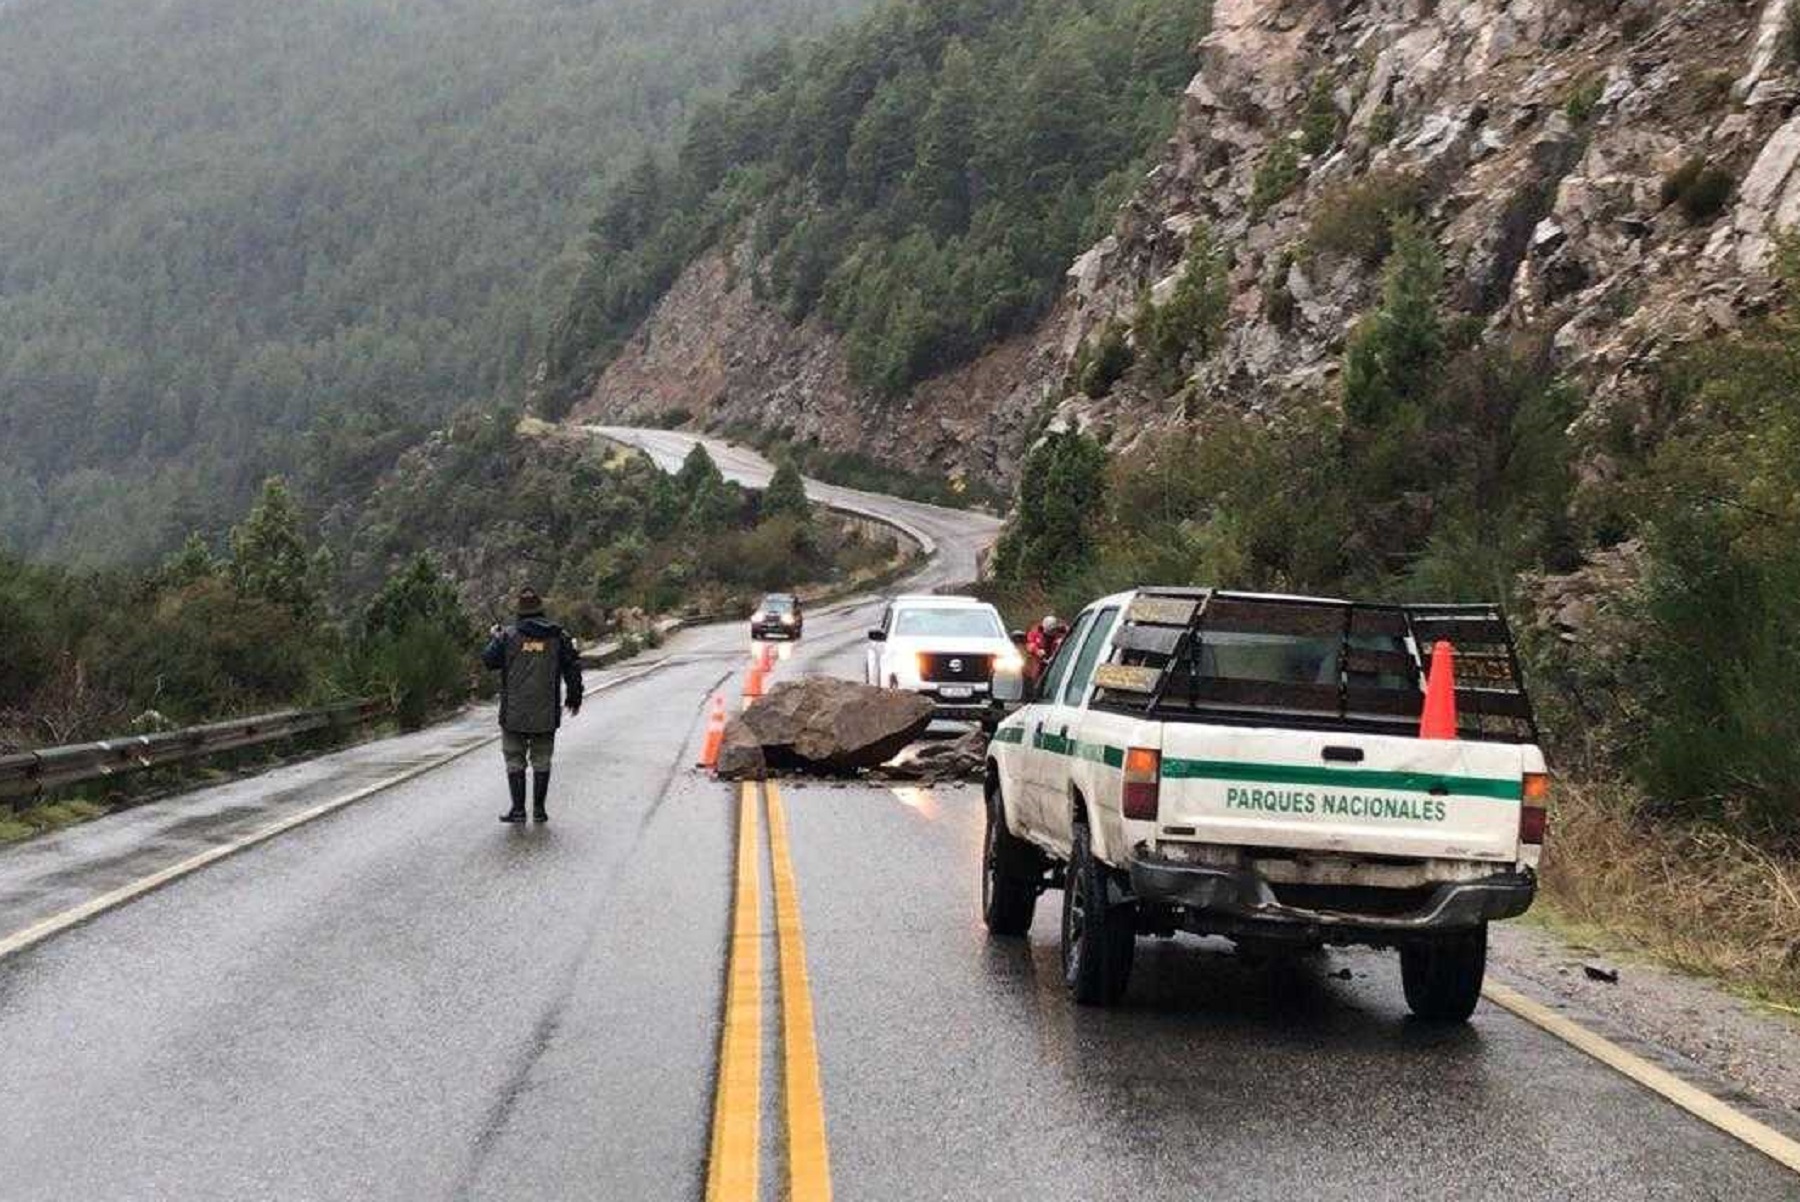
(1257, 659)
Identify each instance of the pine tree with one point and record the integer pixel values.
(1062, 487)
(269, 557)
(698, 472)
(786, 494)
(946, 143)
(881, 145)
(193, 563)
(417, 594)
(1392, 360)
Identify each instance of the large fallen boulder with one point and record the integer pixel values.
(821, 725)
(740, 754)
(962, 758)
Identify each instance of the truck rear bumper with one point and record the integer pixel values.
(1238, 901)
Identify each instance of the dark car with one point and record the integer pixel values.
(778, 617)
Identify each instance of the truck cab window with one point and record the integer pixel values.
(1090, 654)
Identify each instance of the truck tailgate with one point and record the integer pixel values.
(1331, 791)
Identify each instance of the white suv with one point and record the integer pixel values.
(954, 650)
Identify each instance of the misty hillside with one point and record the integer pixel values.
(239, 236)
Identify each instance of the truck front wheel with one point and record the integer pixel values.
(1442, 976)
(1098, 934)
(1010, 871)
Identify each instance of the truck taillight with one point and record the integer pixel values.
(1143, 780)
(1533, 820)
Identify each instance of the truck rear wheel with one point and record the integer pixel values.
(1098, 935)
(1442, 977)
(1010, 870)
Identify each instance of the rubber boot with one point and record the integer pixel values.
(516, 782)
(540, 788)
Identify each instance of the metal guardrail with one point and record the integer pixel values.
(29, 773)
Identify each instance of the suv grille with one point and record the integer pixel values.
(957, 667)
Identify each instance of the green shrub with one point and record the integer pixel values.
(778, 553)
(1321, 122)
(1583, 98)
(421, 668)
(1699, 189)
(1720, 654)
(1393, 354)
(26, 648)
(1277, 301)
(1355, 220)
(1707, 90)
(205, 651)
(1105, 362)
(1185, 329)
(1277, 174)
(417, 593)
(1384, 123)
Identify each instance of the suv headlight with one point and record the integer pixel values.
(1009, 661)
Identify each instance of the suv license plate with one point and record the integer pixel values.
(957, 692)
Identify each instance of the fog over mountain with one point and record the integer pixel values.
(239, 236)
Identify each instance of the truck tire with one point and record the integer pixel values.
(1442, 977)
(1010, 871)
(1098, 935)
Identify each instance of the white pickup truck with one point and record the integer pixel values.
(1251, 766)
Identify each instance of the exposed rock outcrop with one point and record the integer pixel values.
(714, 350)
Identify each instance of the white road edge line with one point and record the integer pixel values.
(93, 907)
(1695, 1101)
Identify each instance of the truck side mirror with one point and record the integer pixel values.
(877, 635)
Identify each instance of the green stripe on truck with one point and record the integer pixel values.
(1299, 774)
(1503, 788)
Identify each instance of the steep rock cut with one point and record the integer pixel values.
(713, 351)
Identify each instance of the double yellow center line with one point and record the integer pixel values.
(733, 1168)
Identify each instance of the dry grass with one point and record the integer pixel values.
(1701, 900)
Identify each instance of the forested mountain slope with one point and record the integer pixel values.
(914, 189)
(245, 235)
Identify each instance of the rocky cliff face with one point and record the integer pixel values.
(712, 350)
(1608, 174)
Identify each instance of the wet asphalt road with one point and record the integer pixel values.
(407, 1000)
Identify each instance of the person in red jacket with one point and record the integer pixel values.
(1041, 645)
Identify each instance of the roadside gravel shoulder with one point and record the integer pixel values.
(1753, 1049)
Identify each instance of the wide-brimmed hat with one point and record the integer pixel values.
(530, 604)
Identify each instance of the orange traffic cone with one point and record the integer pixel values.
(715, 733)
(753, 683)
(1438, 721)
(765, 656)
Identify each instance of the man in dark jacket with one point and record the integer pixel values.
(540, 674)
